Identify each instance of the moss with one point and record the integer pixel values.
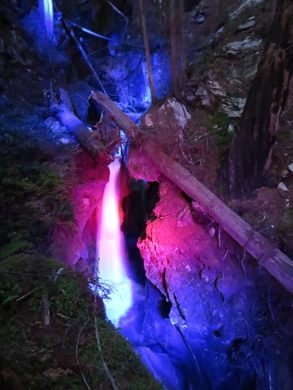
(219, 128)
(72, 302)
(31, 190)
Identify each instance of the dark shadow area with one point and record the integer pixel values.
(137, 207)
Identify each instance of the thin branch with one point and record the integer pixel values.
(97, 35)
(106, 368)
(27, 294)
(46, 304)
(123, 17)
(108, 373)
(219, 237)
(71, 33)
(243, 261)
(77, 356)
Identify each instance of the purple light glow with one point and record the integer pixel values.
(111, 252)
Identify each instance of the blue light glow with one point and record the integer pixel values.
(127, 72)
(47, 15)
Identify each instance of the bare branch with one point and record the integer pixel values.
(123, 17)
(46, 304)
(71, 33)
(27, 294)
(77, 356)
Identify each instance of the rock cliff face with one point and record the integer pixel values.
(222, 305)
(225, 41)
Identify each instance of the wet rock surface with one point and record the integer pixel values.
(234, 318)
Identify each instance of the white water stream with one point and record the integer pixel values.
(111, 254)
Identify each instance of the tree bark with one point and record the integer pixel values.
(177, 47)
(251, 149)
(147, 51)
(276, 262)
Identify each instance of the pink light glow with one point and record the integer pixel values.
(111, 253)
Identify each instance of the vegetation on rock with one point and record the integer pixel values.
(52, 331)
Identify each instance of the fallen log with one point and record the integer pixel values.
(275, 261)
(84, 136)
(122, 120)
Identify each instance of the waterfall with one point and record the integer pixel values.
(111, 255)
(47, 15)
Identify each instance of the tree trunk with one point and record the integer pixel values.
(147, 51)
(276, 262)
(251, 149)
(177, 47)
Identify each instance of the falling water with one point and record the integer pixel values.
(111, 252)
(47, 16)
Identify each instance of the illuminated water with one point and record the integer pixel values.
(111, 251)
(47, 14)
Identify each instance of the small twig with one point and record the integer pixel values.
(67, 330)
(123, 17)
(270, 305)
(106, 368)
(225, 254)
(219, 277)
(77, 356)
(219, 238)
(46, 309)
(57, 274)
(71, 33)
(108, 373)
(243, 260)
(27, 294)
(190, 350)
(64, 317)
(90, 32)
